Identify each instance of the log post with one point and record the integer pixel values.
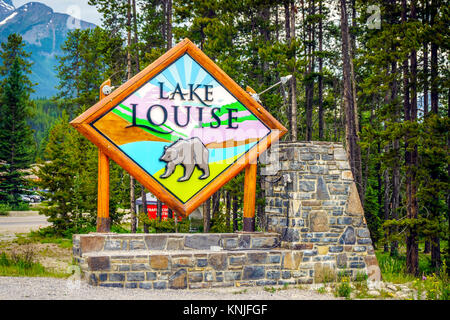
(103, 219)
(249, 198)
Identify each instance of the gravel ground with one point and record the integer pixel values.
(23, 288)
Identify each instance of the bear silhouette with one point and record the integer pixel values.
(188, 153)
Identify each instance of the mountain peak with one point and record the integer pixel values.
(6, 8)
(43, 32)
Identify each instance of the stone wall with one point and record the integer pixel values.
(318, 210)
(187, 261)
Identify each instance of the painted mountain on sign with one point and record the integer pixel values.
(183, 102)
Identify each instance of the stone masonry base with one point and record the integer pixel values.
(316, 230)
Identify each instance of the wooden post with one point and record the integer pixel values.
(103, 219)
(249, 197)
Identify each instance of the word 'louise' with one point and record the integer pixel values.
(230, 122)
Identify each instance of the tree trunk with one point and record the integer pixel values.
(410, 106)
(309, 90)
(351, 125)
(235, 214)
(386, 206)
(144, 207)
(169, 24)
(427, 248)
(136, 37)
(320, 75)
(129, 75)
(425, 61)
(395, 169)
(228, 210)
(294, 79)
(159, 210)
(207, 215)
(434, 62)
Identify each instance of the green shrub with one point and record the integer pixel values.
(343, 288)
(4, 209)
(21, 206)
(434, 286)
(24, 265)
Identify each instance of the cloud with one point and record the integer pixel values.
(86, 12)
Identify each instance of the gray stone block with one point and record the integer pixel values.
(156, 242)
(116, 277)
(135, 276)
(232, 275)
(112, 245)
(364, 241)
(218, 261)
(202, 263)
(257, 257)
(178, 280)
(273, 274)
(160, 285)
(363, 233)
(253, 272)
(348, 237)
(274, 258)
(144, 285)
(137, 245)
(151, 276)
(124, 267)
(237, 260)
(139, 267)
(344, 220)
(111, 285)
(195, 276)
(98, 263)
(322, 191)
(357, 265)
(200, 241)
(307, 186)
(306, 156)
(336, 248)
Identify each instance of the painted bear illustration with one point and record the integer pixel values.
(189, 153)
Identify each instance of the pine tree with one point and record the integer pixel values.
(16, 140)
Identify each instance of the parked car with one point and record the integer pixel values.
(26, 198)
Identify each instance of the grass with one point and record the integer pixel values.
(4, 209)
(240, 291)
(273, 289)
(23, 265)
(430, 285)
(36, 237)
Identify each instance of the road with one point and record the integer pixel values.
(21, 222)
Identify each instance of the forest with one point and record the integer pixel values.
(373, 75)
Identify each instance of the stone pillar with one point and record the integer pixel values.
(319, 211)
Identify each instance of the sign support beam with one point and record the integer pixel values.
(249, 197)
(103, 219)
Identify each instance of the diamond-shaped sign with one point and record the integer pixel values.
(181, 127)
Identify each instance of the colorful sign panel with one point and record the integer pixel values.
(181, 127)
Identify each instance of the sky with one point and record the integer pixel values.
(76, 8)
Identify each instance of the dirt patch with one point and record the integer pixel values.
(49, 255)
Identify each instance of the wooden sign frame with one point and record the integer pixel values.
(83, 124)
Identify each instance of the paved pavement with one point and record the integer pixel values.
(24, 288)
(21, 222)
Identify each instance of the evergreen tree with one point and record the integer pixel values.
(16, 140)
(12, 49)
